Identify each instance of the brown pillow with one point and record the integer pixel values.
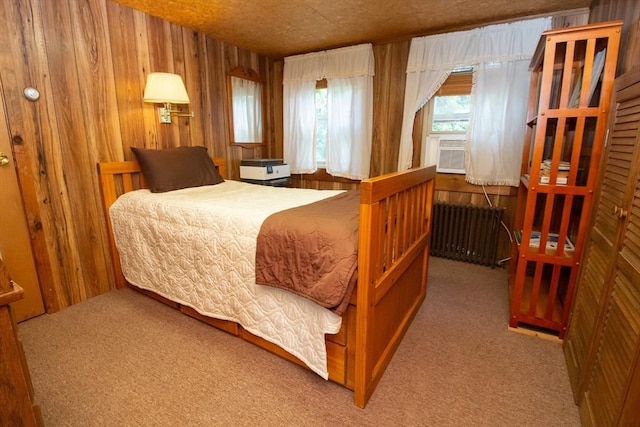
(176, 168)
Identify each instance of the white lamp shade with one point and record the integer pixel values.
(165, 87)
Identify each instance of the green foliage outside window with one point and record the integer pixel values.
(451, 113)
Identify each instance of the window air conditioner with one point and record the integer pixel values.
(450, 154)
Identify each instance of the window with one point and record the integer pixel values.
(349, 111)
(451, 113)
(449, 119)
(450, 107)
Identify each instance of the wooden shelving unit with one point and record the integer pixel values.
(573, 70)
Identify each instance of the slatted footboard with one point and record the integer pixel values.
(393, 255)
(395, 225)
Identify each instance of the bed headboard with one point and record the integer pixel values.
(117, 178)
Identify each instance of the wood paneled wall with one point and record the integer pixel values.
(89, 60)
(627, 11)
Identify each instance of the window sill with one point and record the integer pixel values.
(457, 183)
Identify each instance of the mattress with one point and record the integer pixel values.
(197, 247)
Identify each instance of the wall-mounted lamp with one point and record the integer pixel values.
(167, 89)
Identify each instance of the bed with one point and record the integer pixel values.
(392, 262)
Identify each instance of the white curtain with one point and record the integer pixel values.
(349, 73)
(498, 123)
(247, 107)
(299, 126)
(432, 58)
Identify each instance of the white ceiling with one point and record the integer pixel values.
(279, 28)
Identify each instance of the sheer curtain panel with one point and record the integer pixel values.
(300, 74)
(498, 123)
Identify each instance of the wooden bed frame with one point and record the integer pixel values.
(393, 256)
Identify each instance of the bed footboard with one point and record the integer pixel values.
(393, 255)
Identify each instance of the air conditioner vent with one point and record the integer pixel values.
(450, 155)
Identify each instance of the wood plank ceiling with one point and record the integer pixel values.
(279, 28)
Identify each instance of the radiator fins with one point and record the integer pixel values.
(466, 233)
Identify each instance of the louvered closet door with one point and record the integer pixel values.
(596, 280)
(606, 396)
(612, 357)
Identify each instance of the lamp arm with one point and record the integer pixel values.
(178, 113)
(166, 113)
(181, 114)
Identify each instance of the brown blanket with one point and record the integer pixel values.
(312, 250)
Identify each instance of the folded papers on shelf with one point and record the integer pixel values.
(560, 180)
(562, 165)
(552, 242)
(563, 172)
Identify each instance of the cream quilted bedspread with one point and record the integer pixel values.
(197, 247)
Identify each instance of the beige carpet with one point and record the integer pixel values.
(123, 359)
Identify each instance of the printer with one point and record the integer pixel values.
(272, 172)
